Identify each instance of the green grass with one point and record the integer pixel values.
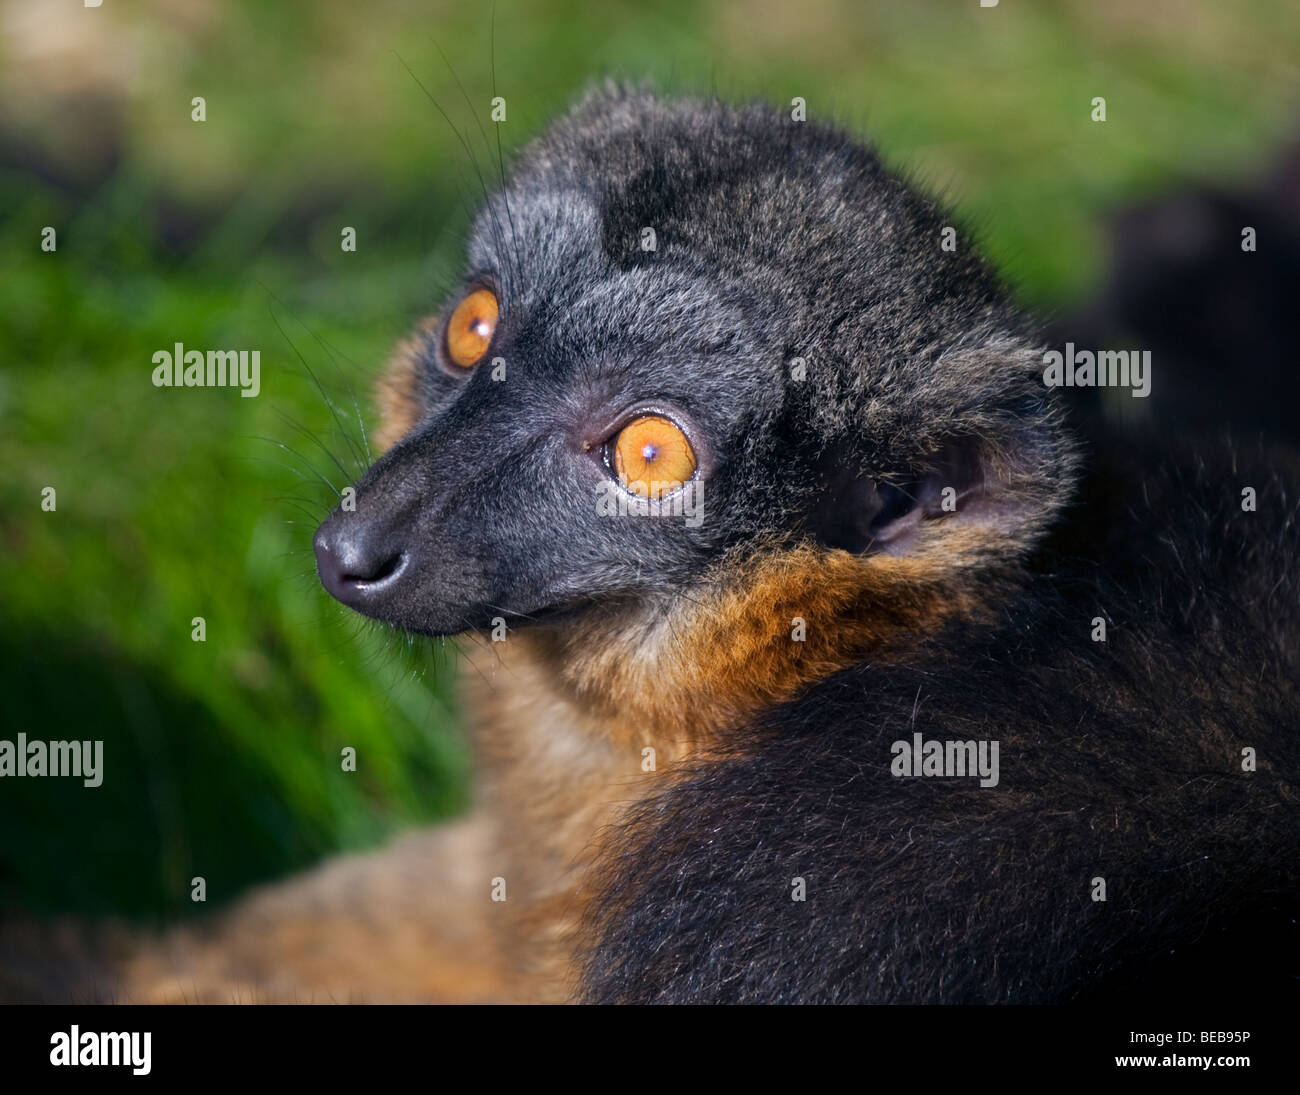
(223, 757)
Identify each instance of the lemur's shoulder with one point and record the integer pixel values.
(1119, 760)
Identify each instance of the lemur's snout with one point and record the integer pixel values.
(359, 562)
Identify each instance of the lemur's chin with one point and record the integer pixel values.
(432, 624)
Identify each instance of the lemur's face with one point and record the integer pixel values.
(685, 334)
(549, 392)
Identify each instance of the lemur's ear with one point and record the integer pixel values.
(968, 480)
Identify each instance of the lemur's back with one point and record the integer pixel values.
(1123, 760)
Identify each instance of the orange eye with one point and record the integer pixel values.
(469, 331)
(653, 457)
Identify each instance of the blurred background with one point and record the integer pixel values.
(222, 758)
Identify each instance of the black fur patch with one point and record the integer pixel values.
(1119, 759)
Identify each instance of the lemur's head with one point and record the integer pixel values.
(745, 325)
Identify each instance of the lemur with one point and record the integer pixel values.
(689, 736)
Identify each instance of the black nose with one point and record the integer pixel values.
(358, 561)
